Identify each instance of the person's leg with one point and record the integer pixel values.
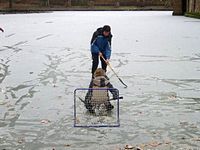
(108, 105)
(95, 62)
(103, 64)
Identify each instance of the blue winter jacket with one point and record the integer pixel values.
(102, 45)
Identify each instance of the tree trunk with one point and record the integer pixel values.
(68, 3)
(48, 3)
(10, 4)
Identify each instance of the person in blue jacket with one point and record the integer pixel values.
(101, 46)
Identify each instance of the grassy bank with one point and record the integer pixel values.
(30, 9)
(193, 15)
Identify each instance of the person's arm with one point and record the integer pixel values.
(91, 84)
(112, 91)
(88, 96)
(1, 29)
(95, 47)
(108, 51)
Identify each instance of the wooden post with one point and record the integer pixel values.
(177, 7)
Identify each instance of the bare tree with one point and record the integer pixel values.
(46, 3)
(69, 3)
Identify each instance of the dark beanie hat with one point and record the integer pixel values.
(106, 28)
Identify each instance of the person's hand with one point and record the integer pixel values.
(115, 96)
(100, 54)
(107, 61)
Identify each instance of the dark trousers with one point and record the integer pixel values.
(95, 62)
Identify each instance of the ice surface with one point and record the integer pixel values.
(45, 56)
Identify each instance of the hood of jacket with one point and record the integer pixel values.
(100, 81)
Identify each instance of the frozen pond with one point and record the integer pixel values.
(44, 57)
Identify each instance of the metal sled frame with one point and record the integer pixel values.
(96, 126)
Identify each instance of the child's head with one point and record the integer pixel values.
(99, 72)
